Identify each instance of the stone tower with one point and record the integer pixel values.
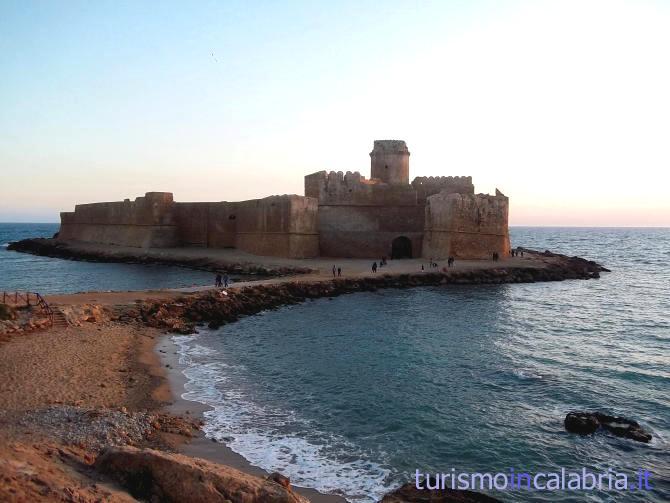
(389, 161)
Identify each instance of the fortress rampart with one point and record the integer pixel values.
(275, 226)
(146, 222)
(426, 186)
(340, 215)
(466, 225)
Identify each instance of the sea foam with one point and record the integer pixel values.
(275, 439)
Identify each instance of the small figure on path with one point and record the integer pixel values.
(339, 272)
(374, 267)
(225, 280)
(217, 281)
(333, 270)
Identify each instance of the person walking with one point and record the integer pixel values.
(339, 272)
(374, 267)
(333, 270)
(225, 280)
(217, 281)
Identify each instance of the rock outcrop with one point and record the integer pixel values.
(410, 494)
(158, 476)
(586, 423)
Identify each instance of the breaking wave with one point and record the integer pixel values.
(272, 438)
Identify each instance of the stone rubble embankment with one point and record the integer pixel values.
(218, 307)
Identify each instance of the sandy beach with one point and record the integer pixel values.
(100, 366)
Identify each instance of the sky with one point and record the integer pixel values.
(562, 105)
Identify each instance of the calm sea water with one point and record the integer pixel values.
(352, 395)
(20, 271)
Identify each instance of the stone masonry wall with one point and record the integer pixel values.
(283, 226)
(426, 186)
(145, 222)
(361, 218)
(466, 226)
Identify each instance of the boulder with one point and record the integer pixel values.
(410, 494)
(582, 423)
(159, 476)
(585, 423)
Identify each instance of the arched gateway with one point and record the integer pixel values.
(401, 247)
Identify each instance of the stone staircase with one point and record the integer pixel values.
(59, 320)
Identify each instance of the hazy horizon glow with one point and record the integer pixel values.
(564, 106)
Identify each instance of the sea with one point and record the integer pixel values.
(353, 395)
(46, 275)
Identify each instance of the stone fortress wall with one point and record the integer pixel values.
(466, 225)
(146, 222)
(282, 226)
(340, 215)
(363, 218)
(360, 218)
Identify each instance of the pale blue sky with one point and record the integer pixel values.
(562, 105)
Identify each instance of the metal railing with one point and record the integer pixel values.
(28, 299)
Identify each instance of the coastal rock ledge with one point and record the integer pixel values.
(585, 423)
(159, 476)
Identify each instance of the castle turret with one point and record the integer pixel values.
(389, 162)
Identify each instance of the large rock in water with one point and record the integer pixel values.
(410, 494)
(586, 423)
(159, 476)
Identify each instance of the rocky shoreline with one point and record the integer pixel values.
(216, 308)
(47, 247)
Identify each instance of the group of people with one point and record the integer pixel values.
(515, 253)
(433, 264)
(382, 263)
(337, 271)
(221, 281)
(496, 256)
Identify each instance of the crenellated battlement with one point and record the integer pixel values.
(442, 180)
(427, 186)
(320, 184)
(351, 188)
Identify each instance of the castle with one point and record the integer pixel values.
(340, 215)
